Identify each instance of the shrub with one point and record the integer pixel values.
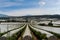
(50, 23)
(43, 24)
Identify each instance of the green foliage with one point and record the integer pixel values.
(50, 23)
(43, 36)
(43, 24)
(1, 34)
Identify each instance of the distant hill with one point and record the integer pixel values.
(3, 15)
(44, 16)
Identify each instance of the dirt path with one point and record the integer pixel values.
(34, 37)
(19, 38)
(27, 35)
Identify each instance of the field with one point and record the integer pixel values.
(33, 30)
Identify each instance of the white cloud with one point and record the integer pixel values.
(42, 3)
(58, 2)
(31, 12)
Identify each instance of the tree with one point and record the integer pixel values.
(50, 23)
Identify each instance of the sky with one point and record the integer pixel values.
(29, 7)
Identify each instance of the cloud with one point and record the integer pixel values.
(58, 2)
(35, 11)
(33, 7)
(42, 3)
(9, 5)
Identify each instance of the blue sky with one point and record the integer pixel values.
(29, 7)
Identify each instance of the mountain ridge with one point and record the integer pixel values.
(3, 15)
(28, 16)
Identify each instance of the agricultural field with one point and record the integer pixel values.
(29, 31)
